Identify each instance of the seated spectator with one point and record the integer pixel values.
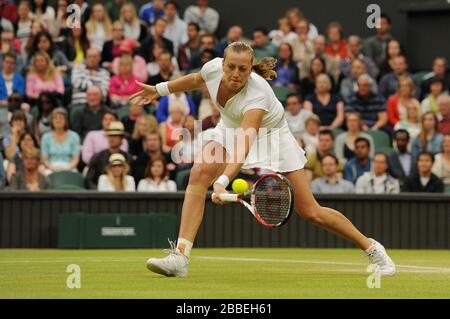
(156, 35)
(10, 81)
(296, 115)
(326, 105)
(149, 12)
(26, 141)
(202, 14)
(43, 12)
(234, 34)
(283, 34)
(354, 53)
(15, 103)
(393, 50)
(294, 15)
(116, 176)
(286, 68)
(113, 8)
(349, 85)
(100, 160)
(176, 28)
(206, 55)
(184, 151)
(43, 77)
(344, 145)
(207, 42)
(441, 166)
(139, 69)
(361, 163)
(152, 149)
(374, 45)
(262, 47)
(36, 28)
(88, 74)
(46, 103)
(389, 82)
(18, 125)
(331, 182)
(412, 121)
(302, 45)
(133, 27)
(75, 45)
(378, 181)
(436, 88)
(97, 141)
(123, 85)
(190, 48)
(166, 69)
(144, 125)
(313, 168)
(310, 137)
(439, 67)
(423, 180)
(153, 67)
(90, 116)
(156, 178)
(111, 49)
(29, 179)
(444, 109)
(177, 116)
(429, 138)
(398, 104)
(401, 162)
(369, 105)
(212, 120)
(308, 84)
(60, 146)
(99, 27)
(337, 46)
(24, 21)
(129, 121)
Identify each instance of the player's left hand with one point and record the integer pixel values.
(218, 189)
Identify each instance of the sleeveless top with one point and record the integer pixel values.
(327, 113)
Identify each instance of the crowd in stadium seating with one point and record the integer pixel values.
(368, 124)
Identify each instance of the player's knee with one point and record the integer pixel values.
(201, 175)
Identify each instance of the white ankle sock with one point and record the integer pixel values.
(184, 246)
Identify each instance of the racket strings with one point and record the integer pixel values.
(272, 200)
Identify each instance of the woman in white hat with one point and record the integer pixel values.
(116, 178)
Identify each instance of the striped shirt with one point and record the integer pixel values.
(368, 107)
(82, 78)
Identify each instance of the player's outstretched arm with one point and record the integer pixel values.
(190, 82)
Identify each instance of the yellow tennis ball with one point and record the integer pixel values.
(239, 186)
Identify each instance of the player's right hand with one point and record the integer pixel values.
(146, 96)
(218, 189)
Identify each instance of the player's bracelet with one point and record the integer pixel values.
(223, 180)
(163, 89)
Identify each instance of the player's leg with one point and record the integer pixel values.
(332, 220)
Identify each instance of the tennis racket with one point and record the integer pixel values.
(270, 200)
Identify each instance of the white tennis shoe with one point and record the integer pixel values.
(378, 256)
(174, 265)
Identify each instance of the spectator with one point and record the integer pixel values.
(85, 10)
(156, 178)
(144, 125)
(111, 49)
(133, 27)
(206, 17)
(296, 115)
(349, 85)
(184, 151)
(444, 109)
(175, 121)
(412, 121)
(401, 161)
(375, 45)
(331, 182)
(398, 104)
(283, 34)
(113, 8)
(156, 35)
(60, 146)
(176, 29)
(207, 42)
(25, 48)
(129, 121)
(151, 11)
(361, 163)
(234, 34)
(18, 125)
(15, 103)
(43, 12)
(389, 82)
(441, 166)
(294, 15)
(337, 46)
(308, 84)
(378, 181)
(393, 50)
(166, 69)
(100, 160)
(211, 120)
(191, 47)
(369, 105)
(59, 25)
(116, 177)
(41, 123)
(43, 77)
(139, 69)
(97, 141)
(286, 68)
(354, 53)
(90, 116)
(123, 85)
(10, 81)
(29, 179)
(436, 88)
(326, 105)
(344, 145)
(302, 45)
(87, 74)
(440, 71)
(153, 68)
(262, 47)
(424, 180)
(310, 137)
(76, 45)
(313, 167)
(429, 139)
(26, 141)
(99, 27)
(24, 22)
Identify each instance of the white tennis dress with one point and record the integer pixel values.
(275, 148)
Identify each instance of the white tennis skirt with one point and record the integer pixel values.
(275, 149)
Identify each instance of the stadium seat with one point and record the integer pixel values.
(419, 75)
(182, 179)
(447, 188)
(68, 187)
(337, 131)
(122, 112)
(385, 150)
(34, 111)
(75, 112)
(67, 180)
(281, 92)
(380, 138)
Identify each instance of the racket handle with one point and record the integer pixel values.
(229, 197)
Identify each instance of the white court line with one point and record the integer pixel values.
(315, 262)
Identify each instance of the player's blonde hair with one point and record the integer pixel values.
(264, 67)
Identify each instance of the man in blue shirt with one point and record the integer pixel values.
(361, 163)
(150, 11)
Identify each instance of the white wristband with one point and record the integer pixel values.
(163, 89)
(223, 180)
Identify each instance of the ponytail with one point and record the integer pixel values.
(265, 68)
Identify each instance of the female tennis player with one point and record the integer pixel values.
(240, 92)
